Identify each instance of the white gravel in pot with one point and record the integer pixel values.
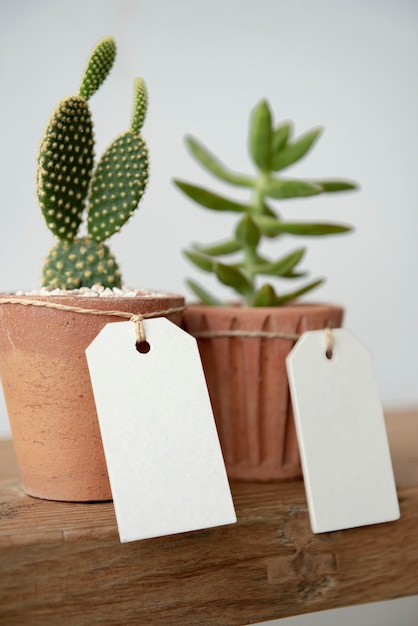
(88, 292)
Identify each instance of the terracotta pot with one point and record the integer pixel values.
(48, 394)
(248, 384)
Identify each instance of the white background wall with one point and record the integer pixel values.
(349, 66)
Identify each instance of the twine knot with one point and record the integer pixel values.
(329, 342)
(139, 328)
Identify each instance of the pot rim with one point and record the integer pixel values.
(147, 295)
(242, 308)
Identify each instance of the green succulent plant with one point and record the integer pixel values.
(272, 149)
(71, 189)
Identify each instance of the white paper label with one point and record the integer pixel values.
(341, 432)
(163, 455)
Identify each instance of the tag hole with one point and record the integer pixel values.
(329, 354)
(143, 347)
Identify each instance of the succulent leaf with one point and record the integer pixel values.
(281, 136)
(203, 295)
(219, 249)
(300, 228)
(214, 166)
(293, 274)
(233, 277)
(283, 266)
(287, 297)
(98, 67)
(265, 296)
(201, 261)
(296, 150)
(65, 161)
(287, 188)
(140, 105)
(247, 232)
(117, 185)
(79, 263)
(210, 200)
(261, 135)
(336, 185)
(269, 212)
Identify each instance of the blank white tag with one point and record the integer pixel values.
(341, 433)
(162, 450)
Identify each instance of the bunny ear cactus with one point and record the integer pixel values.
(68, 188)
(272, 149)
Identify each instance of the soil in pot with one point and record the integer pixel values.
(248, 385)
(48, 394)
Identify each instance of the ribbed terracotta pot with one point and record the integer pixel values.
(248, 383)
(48, 393)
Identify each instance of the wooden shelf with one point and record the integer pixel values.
(62, 562)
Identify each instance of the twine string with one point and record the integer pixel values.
(137, 318)
(204, 334)
(209, 334)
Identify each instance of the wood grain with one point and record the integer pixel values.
(63, 563)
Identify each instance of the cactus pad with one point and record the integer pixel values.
(65, 161)
(98, 67)
(140, 105)
(117, 186)
(80, 263)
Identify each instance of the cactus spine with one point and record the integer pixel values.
(68, 188)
